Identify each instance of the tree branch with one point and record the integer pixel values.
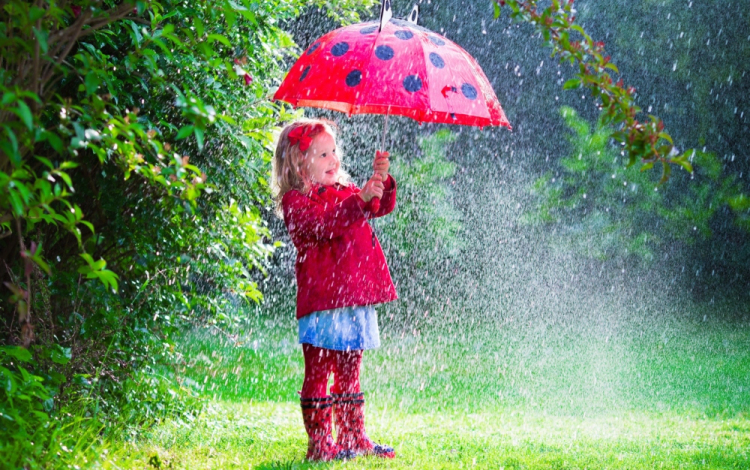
(645, 141)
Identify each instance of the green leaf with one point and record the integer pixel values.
(88, 258)
(55, 141)
(684, 164)
(60, 355)
(612, 67)
(24, 113)
(91, 82)
(572, 84)
(230, 15)
(137, 36)
(17, 352)
(12, 149)
(184, 132)
(667, 137)
(8, 98)
(65, 178)
(36, 13)
(42, 264)
(228, 119)
(578, 28)
(46, 162)
(221, 38)
(199, 137)
(41, 37)
(198, 24)
(16, 203)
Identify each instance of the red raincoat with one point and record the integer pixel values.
(339, 259)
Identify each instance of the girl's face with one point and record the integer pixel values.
(321, 163)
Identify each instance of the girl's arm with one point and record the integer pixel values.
(387, 202)
(308, 219)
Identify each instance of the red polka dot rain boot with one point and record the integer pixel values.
(349, 416)
(316, 414)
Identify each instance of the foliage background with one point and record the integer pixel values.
(113, 240)
(133, 188)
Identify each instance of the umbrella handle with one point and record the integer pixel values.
(375, 202)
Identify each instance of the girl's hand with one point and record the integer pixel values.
(373, 188)
(381, 163)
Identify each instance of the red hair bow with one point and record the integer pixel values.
(302, 135)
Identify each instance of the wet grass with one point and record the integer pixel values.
(513, 395)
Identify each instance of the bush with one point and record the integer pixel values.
(134, 148)
(610, 210)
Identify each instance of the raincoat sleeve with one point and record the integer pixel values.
(387, 202)
(306, 218)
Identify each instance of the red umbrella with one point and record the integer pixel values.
(393, 67)
(397, 68)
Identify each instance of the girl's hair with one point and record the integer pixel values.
(288, 168)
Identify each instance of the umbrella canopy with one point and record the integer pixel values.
(399, 68)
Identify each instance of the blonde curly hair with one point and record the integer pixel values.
(288, 168)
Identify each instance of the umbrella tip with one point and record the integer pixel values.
(385, 13)
(414, 15)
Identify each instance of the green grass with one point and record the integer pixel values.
(516, 395)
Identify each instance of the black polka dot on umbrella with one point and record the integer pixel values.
(436, 60)
(313, 48)
(354, 77)
(413, 83)
(469, 91)
(403, 34)
(340, 49)
(437, 41)
(304, 73)
(368, 30)
(384, 52)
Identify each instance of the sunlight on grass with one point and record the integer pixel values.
(497, 396)
(270, 435)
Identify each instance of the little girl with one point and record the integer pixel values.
(341, 273)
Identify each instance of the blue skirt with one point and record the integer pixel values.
(341, 329)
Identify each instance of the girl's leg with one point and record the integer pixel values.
(317, 407)
(319, 363)
(346, 372)
(349, 408)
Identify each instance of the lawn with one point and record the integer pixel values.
(512, 394)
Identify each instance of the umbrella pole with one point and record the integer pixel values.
(385, 131)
